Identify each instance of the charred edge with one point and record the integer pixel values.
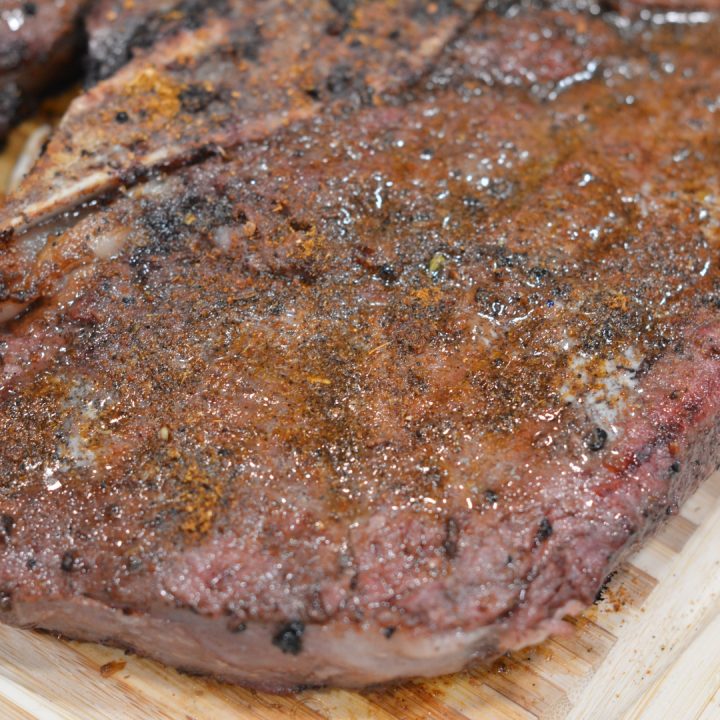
(289, 637)
(600, 595)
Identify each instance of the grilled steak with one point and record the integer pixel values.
(344, 381)
(38, 47)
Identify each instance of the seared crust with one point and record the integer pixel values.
(408, 374)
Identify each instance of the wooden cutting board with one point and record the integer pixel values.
(650, 650)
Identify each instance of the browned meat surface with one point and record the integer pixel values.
(395, 376)
(38, 45)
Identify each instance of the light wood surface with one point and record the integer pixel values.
(649, 651)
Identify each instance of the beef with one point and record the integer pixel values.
(38, 48)
(377, 389)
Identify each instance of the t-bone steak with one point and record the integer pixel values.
(352, 341)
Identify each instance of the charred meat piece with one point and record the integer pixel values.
(39, 43)
(119, 31)
(378, 389)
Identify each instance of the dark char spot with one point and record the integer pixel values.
(596, 439)
(491, 496)
(675, 467)
(388, 632)
(195, 98)
(289, 637)
(387, 273)
(70, 562)
(544, 531)
(450, 543)
(5, 600)
(122, 117)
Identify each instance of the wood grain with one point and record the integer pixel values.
(649, 650)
